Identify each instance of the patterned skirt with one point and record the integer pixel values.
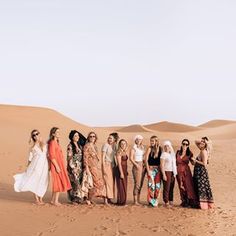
(154, 185)
(202, 187)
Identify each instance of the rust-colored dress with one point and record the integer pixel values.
(122, 183)
(185, 180)
(91, 161)
(60, 181)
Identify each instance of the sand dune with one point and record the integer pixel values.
(216, 123)
(224, 132)
(19, 216)
(134, 129)
(166, 126)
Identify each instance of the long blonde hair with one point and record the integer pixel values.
(209, 146)
(155, 148)
(32, 140)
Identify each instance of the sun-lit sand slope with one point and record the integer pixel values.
(18, 216)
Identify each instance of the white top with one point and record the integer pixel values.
(170, 162)
(138, 155)
(36, 176)
(110, 153)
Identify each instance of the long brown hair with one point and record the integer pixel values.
(155, 148)
(32, 140)
(96, 137)
(51, 134)
(119, 146)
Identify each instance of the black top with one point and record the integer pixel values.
(154, 161)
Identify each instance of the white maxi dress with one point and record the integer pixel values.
(36, 177)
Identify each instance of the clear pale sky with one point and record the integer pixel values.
(120, 62)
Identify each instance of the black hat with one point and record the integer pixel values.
(72, 133)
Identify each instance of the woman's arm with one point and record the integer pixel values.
(52, 156)
(191, 159)
(70, 157)
(197, 142)
(30, 156)
(104, 150)
(103, 160)
(162, 169)
(85, 158)
(174, 165)
(146, 159)
(118, 157)
(132, 157)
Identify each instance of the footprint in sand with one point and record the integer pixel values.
(72, 219)
(102, 227)
(85, 211)
(119, 232)
(156, 229)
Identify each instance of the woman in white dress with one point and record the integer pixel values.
(36, 177)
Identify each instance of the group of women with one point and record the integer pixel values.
(89, 175)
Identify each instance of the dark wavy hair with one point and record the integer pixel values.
(188, 151)
(71, 136)
(115, 136)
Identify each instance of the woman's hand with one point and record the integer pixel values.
(164, 177)
(150, 174)
(87, 171)
(122, 176)
(182, 186)
(58, 170)
(137, 166)
(193, 160)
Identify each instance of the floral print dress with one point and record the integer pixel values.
(75, 173)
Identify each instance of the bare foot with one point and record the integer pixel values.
(136, 203)
(56, 203)
(36, 203)
(167, 205)
(88, 202)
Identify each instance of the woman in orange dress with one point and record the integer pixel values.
(60, 179)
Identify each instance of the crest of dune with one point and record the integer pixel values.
(166, 126)
(216, 123)
(134, 129)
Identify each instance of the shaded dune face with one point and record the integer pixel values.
(16, 123)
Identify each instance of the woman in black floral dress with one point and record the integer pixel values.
(200, 176)
(75, 167)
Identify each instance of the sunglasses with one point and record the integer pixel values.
(92, 136)
(35, 134)
(185, 144)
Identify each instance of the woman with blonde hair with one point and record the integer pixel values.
(200, 176)
(152, 160)
(35, 178)
(137, 159)
(169, 172)
(108, 166)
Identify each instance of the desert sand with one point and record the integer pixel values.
(19, 216)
